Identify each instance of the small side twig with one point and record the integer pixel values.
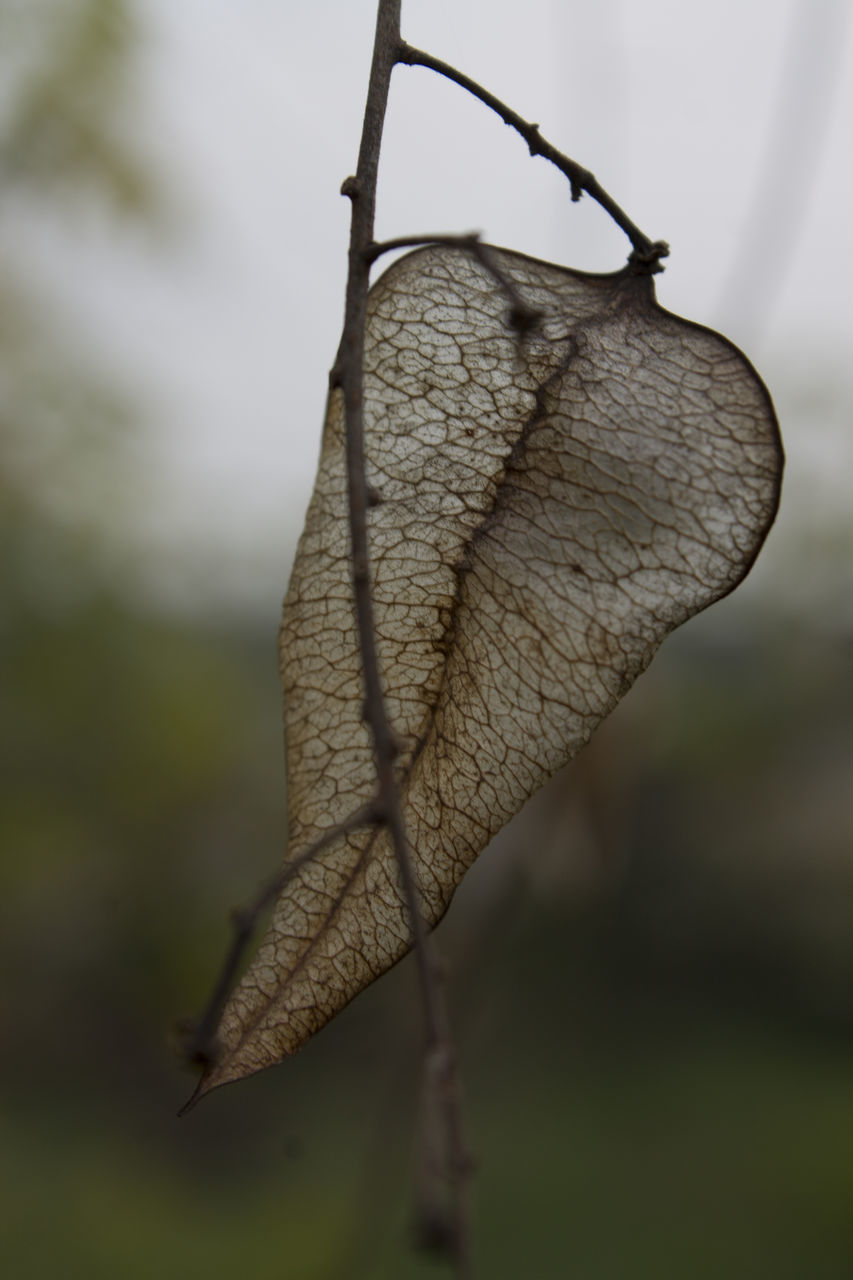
(200, 1047)
(465, 240)
(522, 317)
(647, 253)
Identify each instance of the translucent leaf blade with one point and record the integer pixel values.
(549, 511)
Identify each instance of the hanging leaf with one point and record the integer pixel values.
(549, 509)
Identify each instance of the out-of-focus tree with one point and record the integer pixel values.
(114, 724)
(64, 131)
(66, 153)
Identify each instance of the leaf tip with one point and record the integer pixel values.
(191, 1101)
(205, 1084)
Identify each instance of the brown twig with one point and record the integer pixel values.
(201, 1040)
(646, 254)
(348, 374)
(465, 240)
(522, 317)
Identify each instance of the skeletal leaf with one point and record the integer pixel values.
(550, 508)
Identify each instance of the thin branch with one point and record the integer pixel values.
(348, 373)
(465, 240)
(201, 1043)
(522, 317)
(646, 253)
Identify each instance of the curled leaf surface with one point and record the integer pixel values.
(550, 508)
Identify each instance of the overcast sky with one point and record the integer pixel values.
(722, 127)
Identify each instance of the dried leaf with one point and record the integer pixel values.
(550, 509)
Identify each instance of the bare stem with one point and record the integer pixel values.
(522, 316)
(201, 1043)
(348, 374)
(646, 253)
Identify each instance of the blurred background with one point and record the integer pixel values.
(650, 970)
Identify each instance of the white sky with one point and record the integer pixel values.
(722, 127)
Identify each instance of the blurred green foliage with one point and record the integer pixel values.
(68, 66)
(70, 481)
(650, 970)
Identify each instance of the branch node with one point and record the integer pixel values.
(523, 318)
(646, 260)
(580, 180)
(376, 815)
(435, 1233)
(242, 920)
(351, 187)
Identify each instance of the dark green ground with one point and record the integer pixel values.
(650, 976)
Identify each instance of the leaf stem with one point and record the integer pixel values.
(646, 254)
